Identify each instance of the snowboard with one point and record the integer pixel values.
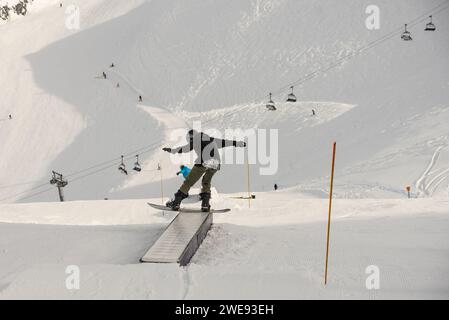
(186, 210)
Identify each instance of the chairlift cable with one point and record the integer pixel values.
(370, 45)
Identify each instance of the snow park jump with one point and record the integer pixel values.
(186, 151)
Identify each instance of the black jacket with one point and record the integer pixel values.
(206, 148)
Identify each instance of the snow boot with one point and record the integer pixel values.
(205, 202)
(175, 204)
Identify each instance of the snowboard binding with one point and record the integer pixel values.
(205, 202)
(175, 204)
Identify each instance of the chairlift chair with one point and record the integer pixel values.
(270, 105)
(291, 96)
(430, 26)
(58, 179)
(406, 36)
(137, 166)
(122, 167)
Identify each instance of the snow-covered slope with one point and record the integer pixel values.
(215, 61)
(45, 123)
(198, 56)
(275, 250)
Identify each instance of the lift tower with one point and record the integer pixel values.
(60, 182)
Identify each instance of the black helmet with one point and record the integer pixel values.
(191, 134)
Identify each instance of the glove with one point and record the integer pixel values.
(169, 150)
(241, 144)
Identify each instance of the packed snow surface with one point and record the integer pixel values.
(385, 102)
(275, 250)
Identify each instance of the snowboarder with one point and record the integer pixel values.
(207, 165)
(185, 171)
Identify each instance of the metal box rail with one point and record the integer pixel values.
(181, 239)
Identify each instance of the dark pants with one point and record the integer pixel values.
(195, 175)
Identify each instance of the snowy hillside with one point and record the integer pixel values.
(195, 56)
(137, 74)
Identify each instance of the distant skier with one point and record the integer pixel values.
(10, 117)
(207, 165)
(104, 75)
(313, 113)
(185, 171)
(112, 65)
(140, 99)
(276, 187)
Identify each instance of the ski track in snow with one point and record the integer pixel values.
(127, 81)
(186, 277)
(427, 189)
(437, 181)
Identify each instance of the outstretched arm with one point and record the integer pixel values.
(185, 149)
(222, 143)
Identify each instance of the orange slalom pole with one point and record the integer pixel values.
(249, 179)
(330, 213)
